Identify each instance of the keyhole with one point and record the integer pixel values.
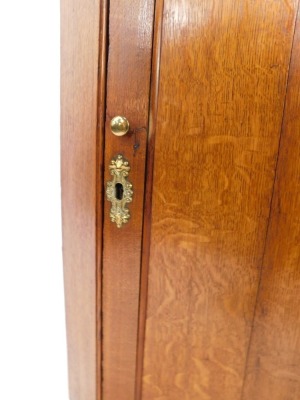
(119, 191)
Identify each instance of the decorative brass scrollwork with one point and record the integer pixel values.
(119, 191)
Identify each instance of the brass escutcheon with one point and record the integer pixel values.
(119, 191)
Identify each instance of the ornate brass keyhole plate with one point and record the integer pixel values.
(119, 191)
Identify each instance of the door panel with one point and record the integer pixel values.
(273, 370)
(222, 87)
(128, 81)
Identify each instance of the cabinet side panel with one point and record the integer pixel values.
(273, 370)
(223, 76)
(79, 75)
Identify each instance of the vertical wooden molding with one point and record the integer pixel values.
(128, 87)
(154, 92)
(99, 184)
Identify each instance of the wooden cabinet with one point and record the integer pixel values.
(197, 296)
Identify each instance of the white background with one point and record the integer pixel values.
(33, 361)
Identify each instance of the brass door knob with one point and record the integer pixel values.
(119, 126)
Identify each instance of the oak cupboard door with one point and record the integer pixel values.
(197, 296)
(220, 101)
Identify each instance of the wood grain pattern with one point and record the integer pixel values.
(273, 370)
(79, 91)
(220, 109)
(128, 82)
(153, 109)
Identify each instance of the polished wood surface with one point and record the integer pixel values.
(223, 74)
(154, 90)
(273, 370)
(128, 82)
(198, 296)
(79, 93)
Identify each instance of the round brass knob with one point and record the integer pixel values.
(119, 126)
